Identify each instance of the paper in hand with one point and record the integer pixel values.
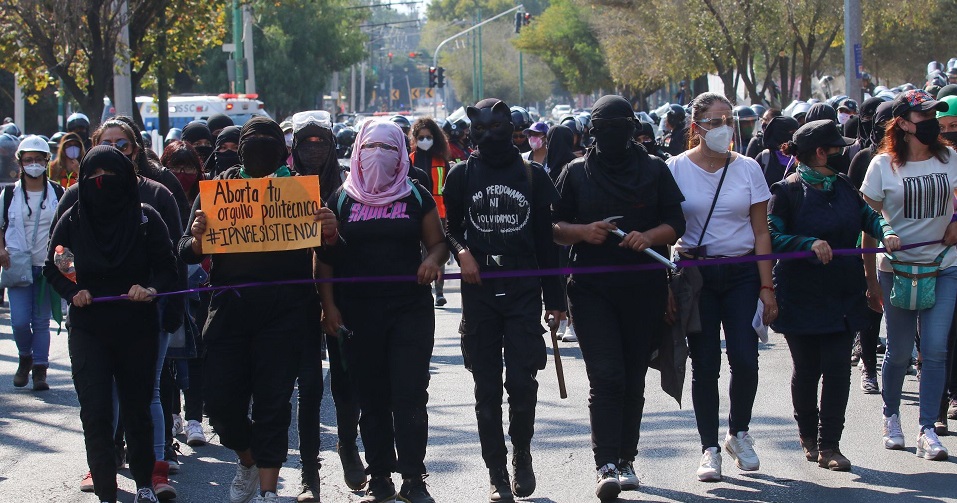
(758, 323)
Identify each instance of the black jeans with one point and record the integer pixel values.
(617, 330)
(503, 315)
(253, 350)
(98, 357)
(344, 395)
(729, 298)
(310, 399)
(193, 396)
(870, 337)
(821, 359)
(389, 354)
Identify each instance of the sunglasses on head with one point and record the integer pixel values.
(120, 144)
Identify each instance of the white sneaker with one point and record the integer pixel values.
(710, 468)
(570, 335)
(608, 486)
(177, 424)
(929, 446)
(195, 436)
(269, 497)
(741, 448)
(245, 485)
(627, 477)
(893, 435)
(562, 326)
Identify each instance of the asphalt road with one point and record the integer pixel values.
(42, 455)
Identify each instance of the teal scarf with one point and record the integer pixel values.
(813, 177)
(282, 172)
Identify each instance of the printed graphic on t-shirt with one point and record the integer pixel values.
(926, 196)
(499, 209)
(362, 213)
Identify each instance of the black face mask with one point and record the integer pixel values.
(614, 137)
(226, 160)
(951, 137)
(834, 160)
(865, 128)
(204, 152)
(107, 195)
(927, 131)
(650, 146)
(261, 156)
(313, 154)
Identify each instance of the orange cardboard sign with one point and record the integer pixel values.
(260, 214)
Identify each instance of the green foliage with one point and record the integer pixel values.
(566, 42)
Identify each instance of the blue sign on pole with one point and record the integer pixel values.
(859, 60)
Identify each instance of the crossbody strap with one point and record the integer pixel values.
(714, 202)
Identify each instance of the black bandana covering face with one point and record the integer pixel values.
(491, 130)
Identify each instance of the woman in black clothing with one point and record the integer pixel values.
(117, 243)
(617, 316)
(822, 301)
(775, 163)
(254, 339)
(384, 219)
(225, 152)
(560, 152)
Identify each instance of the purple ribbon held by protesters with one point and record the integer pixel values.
(526, 273)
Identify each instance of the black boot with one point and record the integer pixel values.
(40, 378)
(381, 490)
(22, 377)
(310, 483)
(414, 490)
(500, 490)
(524, 482)
(352, 468)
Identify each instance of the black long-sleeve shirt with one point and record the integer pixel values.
(494, 210)
(150, 264)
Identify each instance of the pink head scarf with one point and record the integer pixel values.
(378, 176)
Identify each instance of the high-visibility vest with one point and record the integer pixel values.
(439, 169)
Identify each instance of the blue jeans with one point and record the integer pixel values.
(30, 318)
(902, 327)
(729, 297)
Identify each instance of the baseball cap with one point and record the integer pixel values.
(916, 100)
(951, 111)
(822, 133)
(538, 127)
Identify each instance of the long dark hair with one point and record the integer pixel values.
(181, 152)
(440, 144)
(895, 144)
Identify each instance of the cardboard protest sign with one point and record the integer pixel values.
(260, 214)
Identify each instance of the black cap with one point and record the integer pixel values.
(817, 134)
(916, 100)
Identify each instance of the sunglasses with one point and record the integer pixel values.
(120, 144)
(423, 138)
(717, 122)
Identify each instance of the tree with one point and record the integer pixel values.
(74, 41)
(299, 44)
(563, 38)
(814, 25)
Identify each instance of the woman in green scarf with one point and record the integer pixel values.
(822, 300)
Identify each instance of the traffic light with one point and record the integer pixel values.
(519, 21)
(441, 77)
(432, 79)
(527, 18)
(390, 58)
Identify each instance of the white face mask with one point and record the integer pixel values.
(843, 117)
(34, 170)
(535, 142)
(289, 140)
(719, 139)
(424, 144)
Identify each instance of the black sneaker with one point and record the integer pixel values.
(414, 490)
(171, 456)
(440, 300)
(353, 470)
(500, 490)
(145, 495)
(524, 482)
(381, 490)
(119, 453)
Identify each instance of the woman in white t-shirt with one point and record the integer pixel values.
(29, 207)
(912, 182)
(730, 293)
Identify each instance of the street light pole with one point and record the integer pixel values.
(239, 53)
(853, 52)
(435, 55)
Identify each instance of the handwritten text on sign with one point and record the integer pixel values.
(260, 214)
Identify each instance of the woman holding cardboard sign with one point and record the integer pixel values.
(384, 218)
(254, 340)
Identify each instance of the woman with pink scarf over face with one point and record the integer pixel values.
(386, 329)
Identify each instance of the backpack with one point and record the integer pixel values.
(8, 200)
